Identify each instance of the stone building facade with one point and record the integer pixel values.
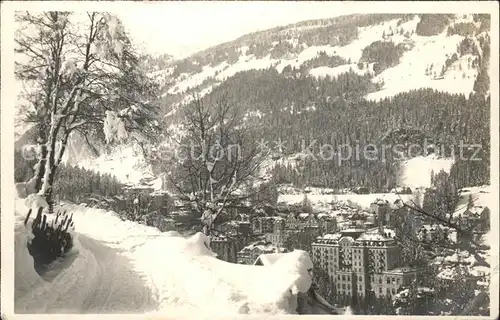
(360, 262)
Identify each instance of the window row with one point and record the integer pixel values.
(344, 286)
(392, 280)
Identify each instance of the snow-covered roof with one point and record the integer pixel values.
(474, 211)
(425, 289)
(462, 256)
(140, 187)
(376, 235)
(326, 217)
(403, 269)
(372, 237)
(388, 231)
(148, 176)
(446, 274)
(263, 247)
(334, 236)
(233, 223)
(160, 193)
(353, 230)
(347, 239)
(480, 270)
(268, 259)
(219, 238)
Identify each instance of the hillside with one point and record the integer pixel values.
(414, 49)
(345, 81)
(354, 80)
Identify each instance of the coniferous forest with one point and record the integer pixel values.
(72, 181)
(302, 112)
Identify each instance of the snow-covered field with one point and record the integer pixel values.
(416, 172)
(409, 74)
(121, 266)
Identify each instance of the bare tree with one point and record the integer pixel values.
(77, 69)
(218, 163)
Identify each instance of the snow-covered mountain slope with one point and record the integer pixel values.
(121, 266)
(125, 161)
(398, 53)
(429, 59)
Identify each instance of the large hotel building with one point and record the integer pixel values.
(360, 261)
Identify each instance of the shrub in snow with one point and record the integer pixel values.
(51, 239)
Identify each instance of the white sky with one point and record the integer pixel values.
(183, 28)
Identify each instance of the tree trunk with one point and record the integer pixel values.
(40, 169)
(49, 194)
(42, 159)
(57, 162)
(49, 174)
(206, 230)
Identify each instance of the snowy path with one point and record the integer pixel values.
(123, 267)
(96, 279)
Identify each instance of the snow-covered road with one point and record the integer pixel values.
(96, 279)
(123, 267)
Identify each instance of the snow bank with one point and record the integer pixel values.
(188, 278)
(25, 277)
(122, 266)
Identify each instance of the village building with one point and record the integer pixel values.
(477, 218)
(360, 262)
(225, 248)
(161, 201)
(433, 232)
(361, 190)
(263, 225)
(249, 254)
(402, 190)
